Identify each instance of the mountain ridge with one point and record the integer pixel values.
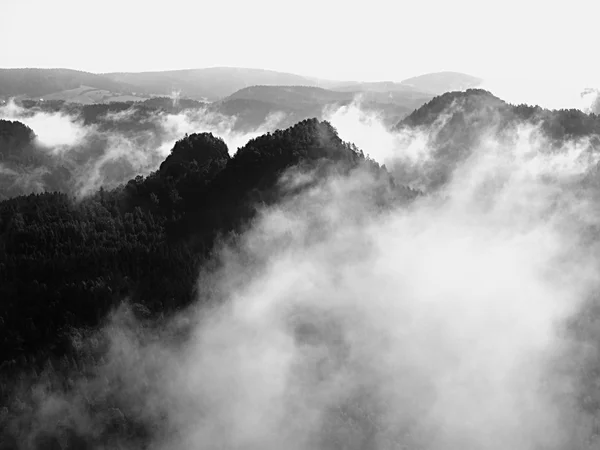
(205, 84)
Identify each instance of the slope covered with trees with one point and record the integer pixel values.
(486, 109)
(65, 264)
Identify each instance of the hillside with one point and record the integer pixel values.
(206, 84)
(23, 168)
(39, 82)
(200, 84)
(209, 84)
(482, 108)
(65, 266)
(198, 191)
(298, 97)
(458, 123)
(254, 104)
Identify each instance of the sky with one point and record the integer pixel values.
(335, 39)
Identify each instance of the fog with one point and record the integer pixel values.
(436, 323)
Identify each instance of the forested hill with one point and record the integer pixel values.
(64, 265)
(457, 123)
(479, 108)
(14, 134)
(23, 167)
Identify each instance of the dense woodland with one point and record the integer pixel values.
(65, 263)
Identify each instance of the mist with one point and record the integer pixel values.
(435, 323)
(119, 146)
(367, 130)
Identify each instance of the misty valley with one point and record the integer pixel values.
(257, 260)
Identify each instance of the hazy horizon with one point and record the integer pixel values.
(180, 69)
(385, 41)
(547, 93)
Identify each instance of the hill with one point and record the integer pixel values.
(254, 104)
(440, 82)
(36, 83)
(299, 97)
(64, 265)
(293, 96)
(23, 168)
(208, 84)
(457, 123)
(198, 192)
(481, 108)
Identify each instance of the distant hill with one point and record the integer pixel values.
(294, 96)
(440, 82)
(251, 113)
(207, 84)
(212, 84)
(422, 86)
(200, 84)
(300, 102)
(40, 82)
(253, 105)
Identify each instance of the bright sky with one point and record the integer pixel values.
(338, 39)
